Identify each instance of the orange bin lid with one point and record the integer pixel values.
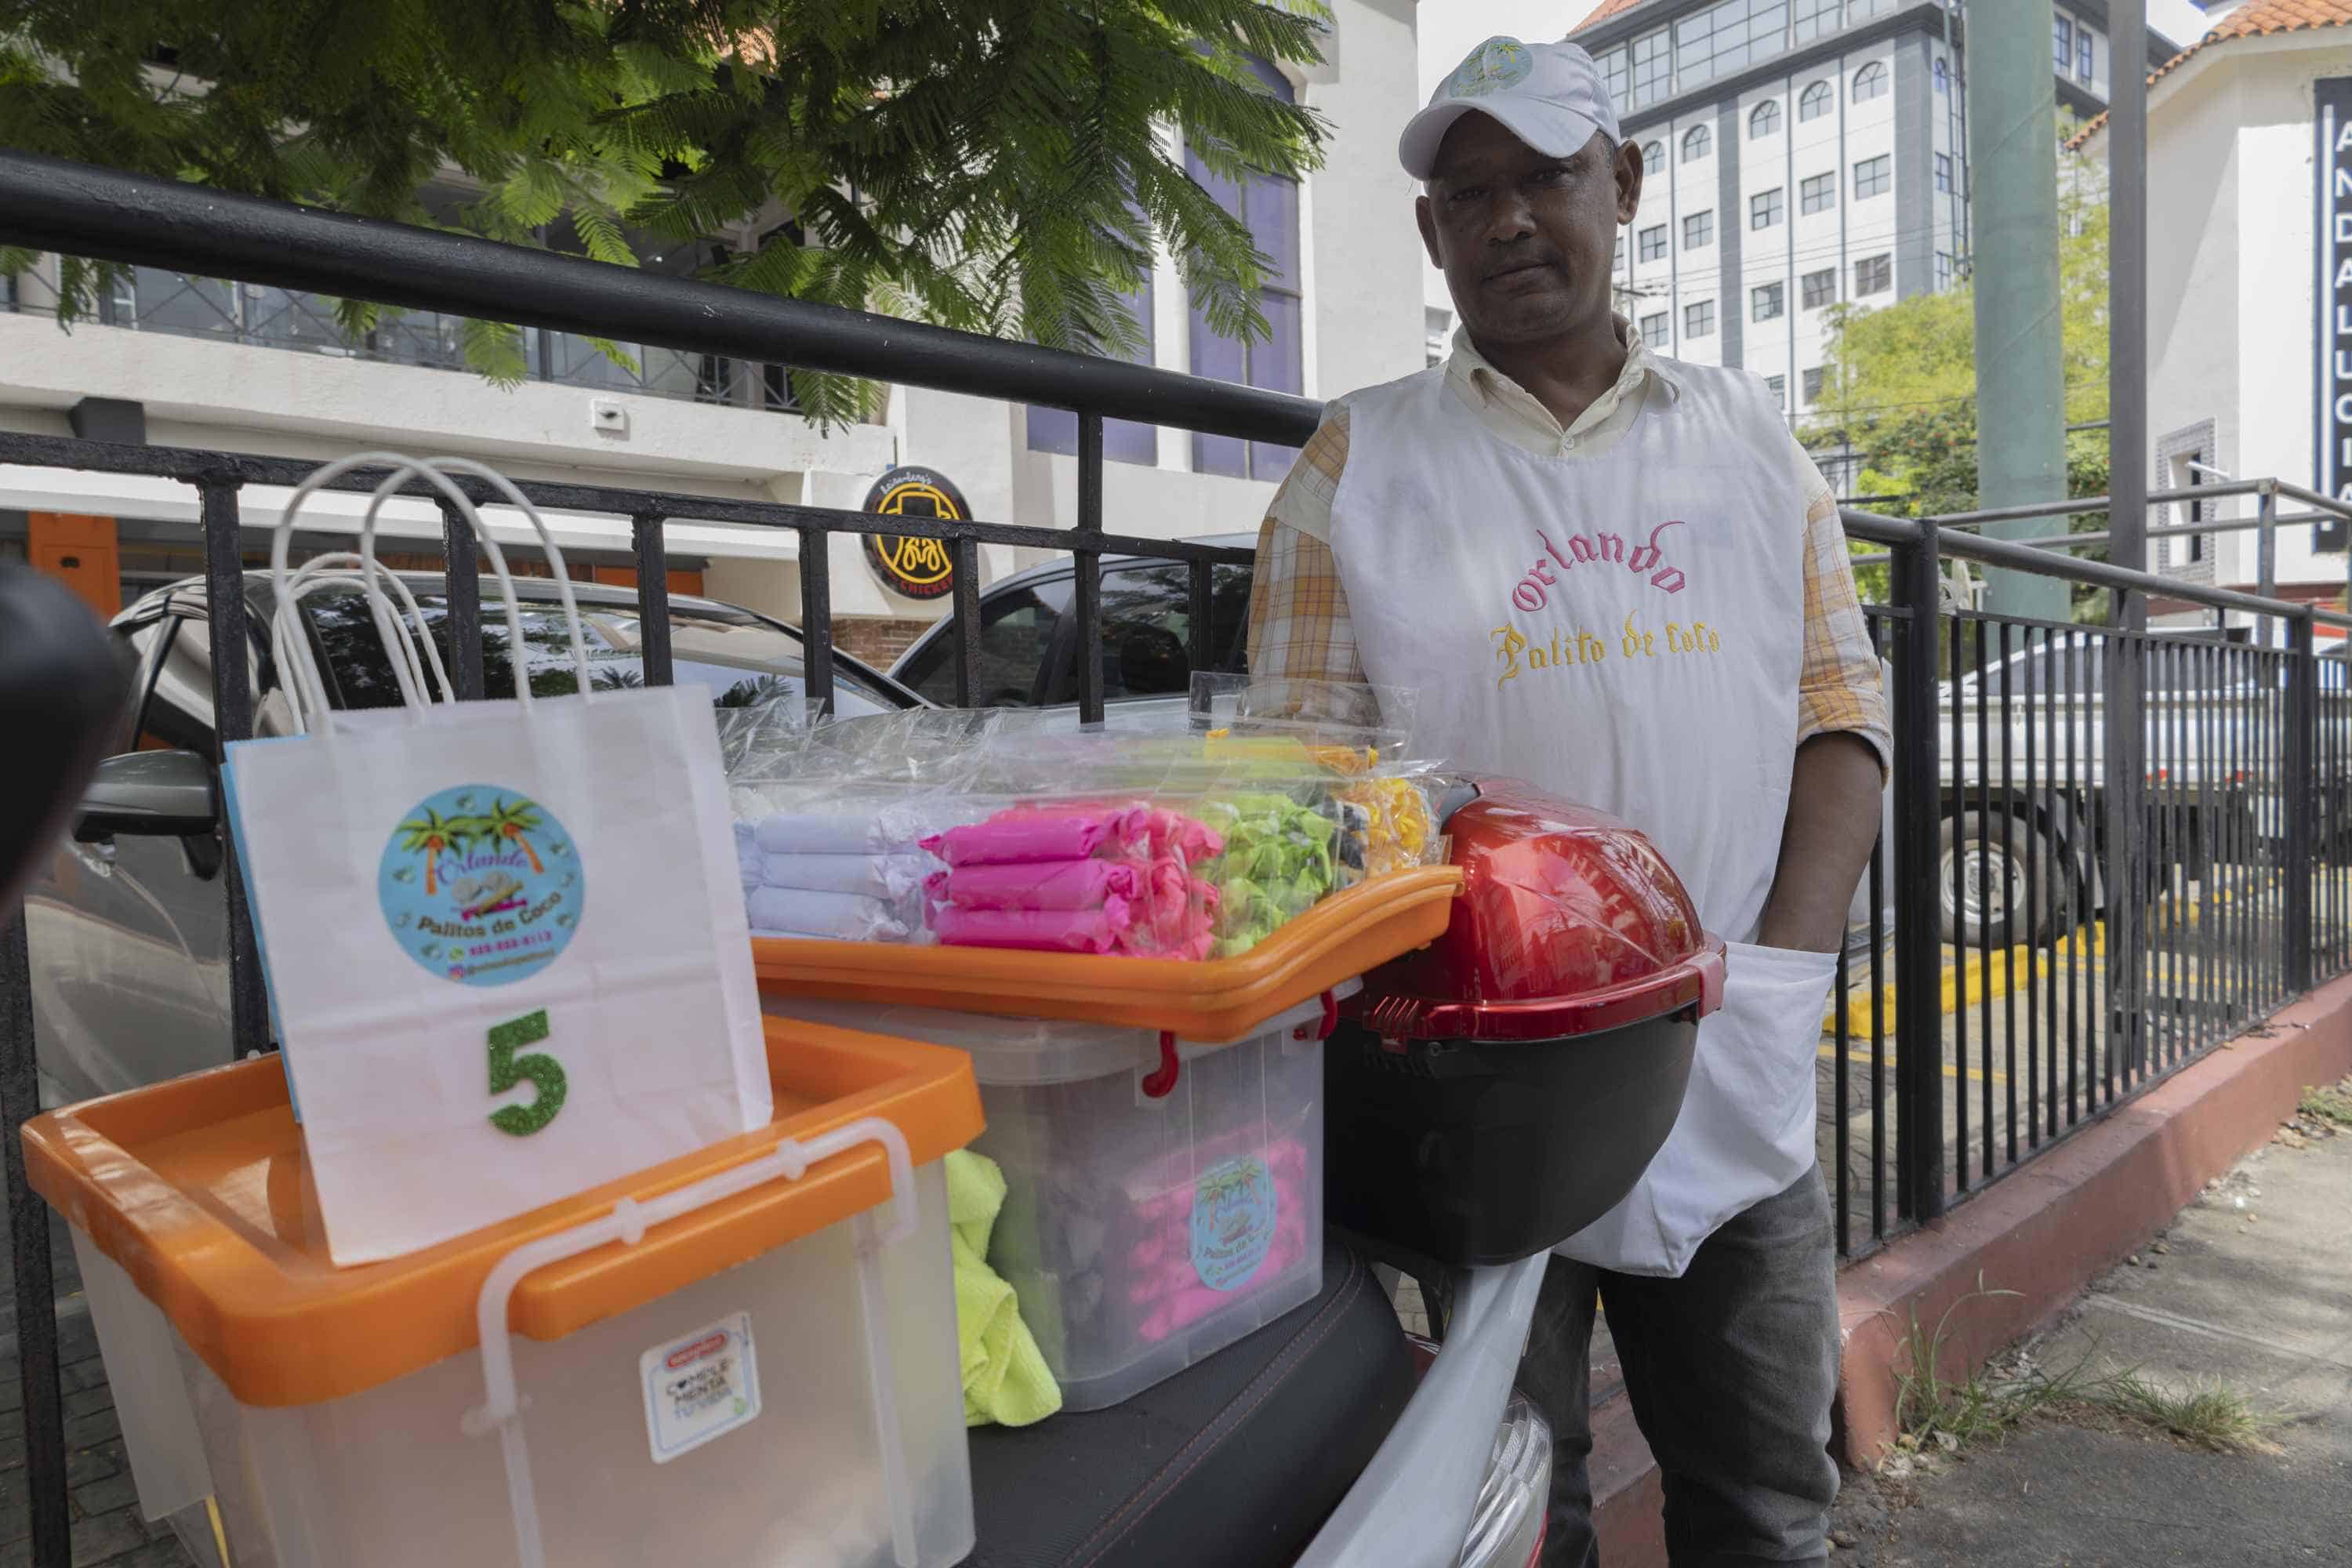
(1212, 1001)
(199, 1188)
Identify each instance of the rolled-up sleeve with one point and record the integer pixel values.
(1838, 687)
(1298, 624)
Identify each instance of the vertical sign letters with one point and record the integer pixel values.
(2332, 117)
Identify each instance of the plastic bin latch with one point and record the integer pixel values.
(501, 1409)
(1160, 1082)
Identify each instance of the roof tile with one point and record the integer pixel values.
(2258, 18)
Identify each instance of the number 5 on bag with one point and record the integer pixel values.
(505, 939)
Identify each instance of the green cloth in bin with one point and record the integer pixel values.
(1277, 862)
(1005, 1380)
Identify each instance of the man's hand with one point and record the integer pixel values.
(1825, 843)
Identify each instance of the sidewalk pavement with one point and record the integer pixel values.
(2251, 1290)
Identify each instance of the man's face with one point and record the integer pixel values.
(1527, 242)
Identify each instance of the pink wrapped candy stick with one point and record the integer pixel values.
(1011, 837)
(1041, 930)
(1035, 885)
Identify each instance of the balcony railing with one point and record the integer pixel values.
(188, 305)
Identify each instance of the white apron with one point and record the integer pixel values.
(1626, 631)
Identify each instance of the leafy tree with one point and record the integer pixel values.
(995, 166)
(1900, 384)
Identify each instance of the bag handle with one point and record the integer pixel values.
(434, 471)
(300, 677)
(790, 1159)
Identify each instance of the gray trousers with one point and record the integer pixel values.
(1732, 1370)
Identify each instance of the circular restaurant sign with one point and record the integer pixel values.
(918, 568)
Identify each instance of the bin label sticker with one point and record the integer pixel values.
(1233, 1211)
(699, 1387)
(481, 885)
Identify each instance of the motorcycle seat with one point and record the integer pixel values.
(1234, 1461)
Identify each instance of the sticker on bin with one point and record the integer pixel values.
(700, 1388)
(1233, 1214)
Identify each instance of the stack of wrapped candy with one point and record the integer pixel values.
(831, 877)
(1277, 862)
(1090, 878)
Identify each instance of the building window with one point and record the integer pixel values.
(1777, 385)
(1874, 275)
(1817, 193)
(1820, 289)
(1653, 329)
(1872, 176)
(1654, 68)
(1764, 122)
(1699, 320)
(1653, 158)
(1815, 101)
(1698, 142)
(1765, 303)
(1618, 262)
(1653, 243)
(1698, 229)
(1870, 82)
(1124, 441)
(1269, 207)
(1816, 19)
(1944, 172)
(1943, 79)
(1614, 70)
(1766, 208)
(1717, 40)
(2061, 42)
(1946, 269)
(1812, 385)
(2082, 58)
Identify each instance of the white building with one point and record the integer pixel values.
(222, 365)
(1799, 154)
(2237, 341)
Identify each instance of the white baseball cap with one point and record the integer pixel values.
(1549, 96)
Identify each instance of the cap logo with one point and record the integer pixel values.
(1496, 64)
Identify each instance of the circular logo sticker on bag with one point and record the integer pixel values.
(1233, 1211)
(481, 885)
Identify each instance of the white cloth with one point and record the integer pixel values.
(1626, 630)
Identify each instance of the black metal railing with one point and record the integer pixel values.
(2148, 877)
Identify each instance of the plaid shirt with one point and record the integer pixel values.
(1299, 626)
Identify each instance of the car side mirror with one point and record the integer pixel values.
(149, 794)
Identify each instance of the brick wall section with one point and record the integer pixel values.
(878, 640)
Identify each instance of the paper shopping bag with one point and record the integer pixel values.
(506, 947)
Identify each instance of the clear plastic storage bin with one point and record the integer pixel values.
(1140, 1233)
(745, 1357)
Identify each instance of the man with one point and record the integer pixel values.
(1619, 577)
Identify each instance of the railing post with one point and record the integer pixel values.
(232, 720)
(2298, 759)
(461, 581)
(653, 598)
(36, 1290)
(1917, 583)
(816, 617)
(1089, 567)
(2266, 557)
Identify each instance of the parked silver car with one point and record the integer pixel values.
(129, 931)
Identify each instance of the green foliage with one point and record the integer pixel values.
(1899, 384)
(995, 166)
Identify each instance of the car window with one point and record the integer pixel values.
(1017, 633)
(742, 660)
(1146, 627)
